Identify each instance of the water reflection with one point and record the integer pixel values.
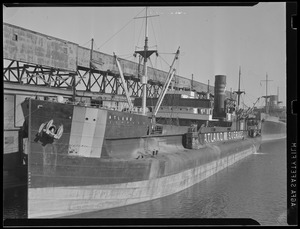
(252, 188)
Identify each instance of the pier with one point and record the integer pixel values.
(32, 58)
(39, 65)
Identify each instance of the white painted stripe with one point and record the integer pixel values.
(88, 130)
(99, 133)
(76, 130)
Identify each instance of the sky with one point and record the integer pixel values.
(212, 40)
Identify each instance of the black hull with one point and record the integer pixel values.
(109, 172)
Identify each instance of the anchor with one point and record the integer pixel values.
(48, 133)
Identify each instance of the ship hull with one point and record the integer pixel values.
(126, 182)
(272, 128)
(104, 159)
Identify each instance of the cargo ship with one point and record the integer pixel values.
(272, 116)
(86, 157)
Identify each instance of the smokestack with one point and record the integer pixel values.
(273, 100)
(219, 97)
(208, 96)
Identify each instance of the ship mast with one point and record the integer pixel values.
(91, 65)
(73, 87)
(145, 54)
(278, 102)
(266, 97)
(239, 92)
(208, 96)
(267, 94)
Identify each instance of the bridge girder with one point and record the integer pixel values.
(89, 80)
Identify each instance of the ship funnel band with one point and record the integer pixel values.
(219, 97)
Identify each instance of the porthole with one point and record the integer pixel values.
(15, 37)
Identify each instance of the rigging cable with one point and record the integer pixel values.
(133, 38)
(156, 61)
(160, 63)
(153, 32)
(139, 36)
(119, 30)
(96, 46)
(85, 43)
(165, 61)
(161, 33)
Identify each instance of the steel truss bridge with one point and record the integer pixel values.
(40, 79)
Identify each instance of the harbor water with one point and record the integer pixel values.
(254, 187)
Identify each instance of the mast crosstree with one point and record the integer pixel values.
(239, 92)
(146, 53)
(266, 97)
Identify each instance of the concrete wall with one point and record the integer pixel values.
(27, 46)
